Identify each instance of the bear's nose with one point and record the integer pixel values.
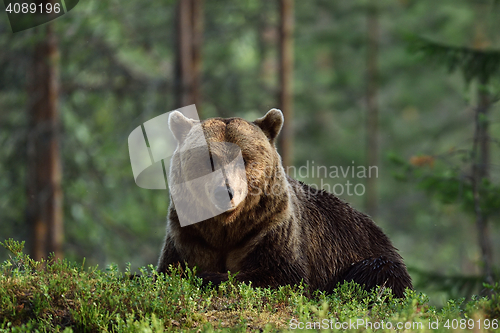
(221, 193)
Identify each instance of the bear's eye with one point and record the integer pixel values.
(211, 164)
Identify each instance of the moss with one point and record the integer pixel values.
(59, 296)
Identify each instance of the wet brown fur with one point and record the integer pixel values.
(295, 234)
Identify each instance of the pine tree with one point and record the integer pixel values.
(44, 212)
(478, 65)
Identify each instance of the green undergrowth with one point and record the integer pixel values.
(62, 296)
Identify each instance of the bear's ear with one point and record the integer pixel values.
(271, 123)
(180, 125)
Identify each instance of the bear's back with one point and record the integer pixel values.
(335, 235)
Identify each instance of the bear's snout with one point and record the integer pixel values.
(221, 193)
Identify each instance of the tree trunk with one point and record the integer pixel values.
(188, 60)
(197, 12)
(44, 211)
(481, 150)
(285, 140)
(480, 172)
(372, 107)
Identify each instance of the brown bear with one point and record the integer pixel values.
(277, 230)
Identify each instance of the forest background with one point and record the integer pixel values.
(362, 73)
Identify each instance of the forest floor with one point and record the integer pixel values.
(62, 296)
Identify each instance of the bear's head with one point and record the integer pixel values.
(221, 168)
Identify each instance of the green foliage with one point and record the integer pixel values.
(454, 285)
(449, 184)
(59, 296)
(473, 63)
